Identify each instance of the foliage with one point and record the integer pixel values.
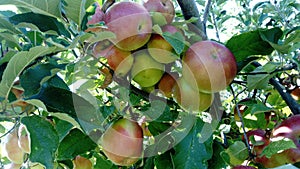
(46, 52)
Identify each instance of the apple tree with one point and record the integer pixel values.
(149, 84)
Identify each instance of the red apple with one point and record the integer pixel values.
(243, 167)
(167, 82)
(13, 152)
(211, 64)
(120, 61)
(296, 93)
(145, 70)
(160, 49)
(131, 24)
(122, 142)
(289, 128)
(162, 11)
(261, 140)
(82, 163)
(189, 98)
(24, 139)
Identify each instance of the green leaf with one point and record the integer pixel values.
(275, 146)
(17, 64)
(43, 22)
(191, 152)
(237, 153)
(62, 127)
(73, 144)
(44, 140)
(75, 9)
(271, 35)
(72, 104)
(7, 26)
(10, 39)
(31, 79)
(248, 44)
(49, 7)
(260, 81)
(176, 40)
(164, 161)
(103, 163)
(220, 163)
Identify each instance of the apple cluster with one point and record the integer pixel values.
(16, 144)
(287, 129)
(142, 52)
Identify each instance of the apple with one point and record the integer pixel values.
(160, 49)
(24, 139)
(167, 82)
(161, 11)
(122, 142)
(101, 48)
(296, 93)
(211, 64)
(120, 61)
(82, 163)
(289, 128)
(261, 140)
(243, 167)
(13, 152)
(96, 18)
(145, 70)
(189, 98)
(131, 24)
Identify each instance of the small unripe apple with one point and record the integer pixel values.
(82, 163)
(189, 98)
(161, 11)
(24, 139)
(13, 152)
(167, 83)
(122, 142)
(211, 64)
(131, 24)
(145, 70)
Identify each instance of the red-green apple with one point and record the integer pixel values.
(122, 142)
(145, 70)
(120, 61)
(161, 11)
(101, 48)
(189, 98)
(131, 24)
(82, 163)
(167, 82)
(13, 152)
(211, 64)
(24, 139)
(160, 49)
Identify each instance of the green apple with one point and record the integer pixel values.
(145, 70)
(189, 98)
(122, 142)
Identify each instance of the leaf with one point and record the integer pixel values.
(220, 163)
(72, 104)
(271, 35)
(75, 9)
(17, 64)
(237, 153)
(191, 152)
(44, 140)
(248, 44)
(43, 22)
(277, 145)
(103, 163)
(47, 7)
(73, 144)
(4, 24)
(31, 79)
(176, 40)
(164, 161)
(10, 39)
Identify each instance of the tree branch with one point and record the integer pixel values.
(189, 10)
(293, 105)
